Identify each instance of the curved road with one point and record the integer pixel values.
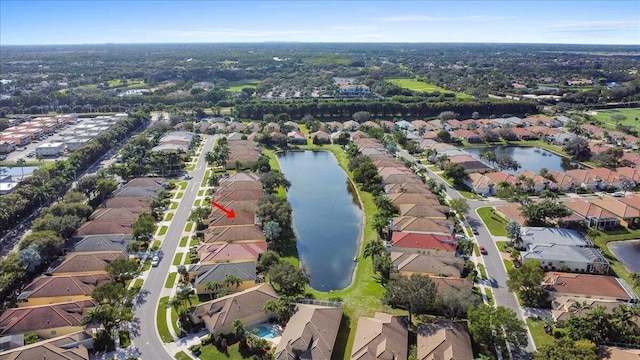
(492, 261)
(147, 339)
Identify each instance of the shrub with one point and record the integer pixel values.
(559, 333)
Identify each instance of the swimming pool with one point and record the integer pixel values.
(266, 332)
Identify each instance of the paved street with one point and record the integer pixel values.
(147, 339)
(494, 266)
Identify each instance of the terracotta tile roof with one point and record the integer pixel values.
(499, 176)
(238, 195)
(221, 252)
(103, 228)
(79, 262)
(128, 202)
(241, 305)
(386, 171)
(586, 285)
(384, 336)
(33, 318)
(512, 212)
(244, 213)
(215, 234)
(426, 225)
(67, 347)
(617, 207)
(427, 264)
(411, 188)
(581, 176)
(606, 175)
(409, 198)
(444, 339)
(239, 186)
(630, 173)
(310, 333)
(423, 241)
(428, 211)
(587, 209)
(562, 179)
(121, 215)
(68, 285)
(387, 163)
(632, 200)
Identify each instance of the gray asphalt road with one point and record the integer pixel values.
(493, 262)
(147, 339)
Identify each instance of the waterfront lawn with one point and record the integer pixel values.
(495, 223)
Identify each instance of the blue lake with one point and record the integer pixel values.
(326, 220)
(530, 158)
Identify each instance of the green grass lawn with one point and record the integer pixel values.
(194, 242)
(181, 355)
(168, 217)
(476, 249)
(179, 195)
(421, 86)
(137, 284)
(482, 271)
(540, 338)
(239, 85)
(200, 192)
(161, 319)
(502, 246)
(189, 226)
(173, 206)
(183, 241)
(196, 203)
(508, 264)
(171, 279)
(630, 114)
(125, 340)
(177, 260)
(495, 223)
(163, 230)
(489, 296)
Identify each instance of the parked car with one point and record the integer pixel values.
(475, 231)
(155, 261)
(483, 250)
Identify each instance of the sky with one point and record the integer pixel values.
(25, 22)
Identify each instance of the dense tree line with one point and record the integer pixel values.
(383, 108)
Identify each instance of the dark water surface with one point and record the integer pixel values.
(628, 252)
(326, 220)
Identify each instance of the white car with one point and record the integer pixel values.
(155, 261)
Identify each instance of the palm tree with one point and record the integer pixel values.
(282, 308)
(212, 287)
(238, 329)
(625, 317)
(577, 307)
(373, 249)
(21, 163)
(232, 280)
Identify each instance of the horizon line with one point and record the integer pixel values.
(316, 42)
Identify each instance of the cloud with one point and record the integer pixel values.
(603, 29)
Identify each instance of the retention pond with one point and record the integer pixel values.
(327, 220)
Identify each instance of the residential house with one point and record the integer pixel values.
(583, 178)
(320, 137)
(593, 215)
(72, 347)
(537, 182)
(87, 263)
(426, 211)
(421, 225)
(292, 125)
(234, 234)
(104, 228)
(383, 336)
(563, 181)
(47, 321)
(201, 274)
(405, 125)
(231, 252)
(629, 215)
(407, 264)
(469, 136)
(95, 243)
(510, 212)
(350, 125)
(444, 339)
(469, 163)
(630, 173)
(57, 289)
(619, 353)
(418, 199)
(608, 178)
(524, 134)
(218, 315)
(425, 244)
(445, 284)
(407, 187)
(480, 184)
(310, 333)
(563, 307)
(296, 138)
(600, 287)
(245, 214)
(567, 258)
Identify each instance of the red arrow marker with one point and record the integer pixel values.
(230, 213)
